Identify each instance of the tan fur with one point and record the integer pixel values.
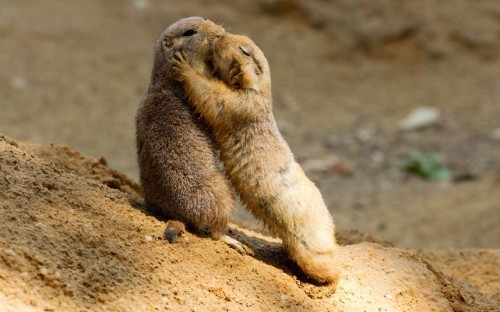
(256, 158)
(178, 166)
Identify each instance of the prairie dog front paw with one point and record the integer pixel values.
(180, 65)
(235, 77)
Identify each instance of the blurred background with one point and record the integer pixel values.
(391, 106)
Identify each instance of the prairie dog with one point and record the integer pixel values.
(176, 153)
(256, 158)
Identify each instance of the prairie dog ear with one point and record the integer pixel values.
(167, 43)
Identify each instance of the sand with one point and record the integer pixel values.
(72, 241)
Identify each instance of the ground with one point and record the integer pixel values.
(345, 73)
(73, 241)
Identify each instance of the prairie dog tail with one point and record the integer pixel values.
(320, 266)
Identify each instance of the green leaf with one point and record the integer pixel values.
(428, 167)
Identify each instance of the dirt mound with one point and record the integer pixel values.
(88, 167)
(70, 242)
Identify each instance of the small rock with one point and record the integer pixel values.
(44, 271)
(320, 164)
(330, 164)
(148, 238)
(421, 117)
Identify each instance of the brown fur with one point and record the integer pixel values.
(174, 230)
(256, 158)
(177, 162)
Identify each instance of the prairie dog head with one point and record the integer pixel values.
(240, 63)
(193, 35)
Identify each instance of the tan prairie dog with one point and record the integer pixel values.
(178, 166)
(256, 158)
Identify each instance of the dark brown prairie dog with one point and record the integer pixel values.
(177, 162)
(256, 158)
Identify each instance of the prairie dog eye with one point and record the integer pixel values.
(189, 32)
(245, 51)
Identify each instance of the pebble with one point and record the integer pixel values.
(327, 164)
(421, 117)
(320, 164)
(44, 271)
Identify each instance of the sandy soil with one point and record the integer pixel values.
(345, 73)
(70, 242)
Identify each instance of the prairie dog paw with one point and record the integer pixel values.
(235, 77)
(174, 230)
(180, 64)
(240, 247)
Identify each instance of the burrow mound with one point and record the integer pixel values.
(75, 236)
